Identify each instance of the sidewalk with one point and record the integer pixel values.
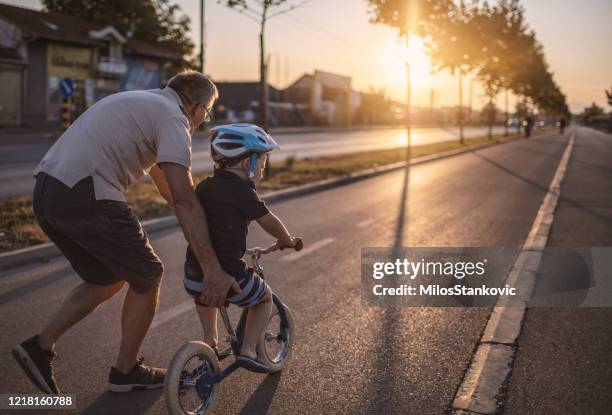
(564, 359)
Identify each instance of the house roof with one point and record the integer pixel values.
(142, 48)
(304, 78)
(54, 26)
(241, 94)
(72, 29)
(10, 55)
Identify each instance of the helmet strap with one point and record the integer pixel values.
(252, 162)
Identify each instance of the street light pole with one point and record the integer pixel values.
(460, 107)
(506, 114)
(470, 99)
(408, 97)
(202, 36)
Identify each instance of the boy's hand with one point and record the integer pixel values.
(287, 243)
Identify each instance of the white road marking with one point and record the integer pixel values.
(172, 312)
(364, 223)
(309, 248)
(492, 362)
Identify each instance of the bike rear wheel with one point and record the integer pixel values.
(186, 389)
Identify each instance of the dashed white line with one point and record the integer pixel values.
(364, 223)
(309, 249)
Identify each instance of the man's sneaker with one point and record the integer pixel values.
(141, 377)
(37, 364)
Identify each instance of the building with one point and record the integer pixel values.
(239, 102)
(328, 96)
(38, 50)
(320, 98)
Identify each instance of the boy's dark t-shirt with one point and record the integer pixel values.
(229, 203)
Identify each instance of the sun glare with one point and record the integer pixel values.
(417, 58)
(420, 66)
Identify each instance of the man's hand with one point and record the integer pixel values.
(214, 286)
(193, 223)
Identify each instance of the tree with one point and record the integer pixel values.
(452, 45)
(488, 113)
(154, 21)
(609, 96)
(410, 16)
(492, 42)
(259, 11)
(593, 111)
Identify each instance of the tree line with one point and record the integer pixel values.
(493, 43)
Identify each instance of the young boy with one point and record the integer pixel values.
(230, 201)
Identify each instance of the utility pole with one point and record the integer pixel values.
(408, 96)
(470, 98)
(460, 119)
(202, 36)
(506, 111)
(262, 19)
(263, 82)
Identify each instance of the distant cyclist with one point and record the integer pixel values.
(562, 124)
(528, 124)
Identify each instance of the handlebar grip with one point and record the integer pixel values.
(299, 245)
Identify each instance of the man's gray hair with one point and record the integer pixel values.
(196, 86)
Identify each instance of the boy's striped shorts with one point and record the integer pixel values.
(252, 289)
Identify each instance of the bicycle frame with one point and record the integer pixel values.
(207, 380)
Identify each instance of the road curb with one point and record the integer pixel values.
(482, 389)
(47, 251)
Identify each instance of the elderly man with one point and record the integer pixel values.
(79, 203)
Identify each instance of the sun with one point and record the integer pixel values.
(420, 66)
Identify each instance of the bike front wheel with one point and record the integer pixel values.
(276, 343)
(187, 389)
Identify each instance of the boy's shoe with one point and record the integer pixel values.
(37, 364)
(251, 364)
(141, 377)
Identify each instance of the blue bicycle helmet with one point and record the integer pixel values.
(232, 143)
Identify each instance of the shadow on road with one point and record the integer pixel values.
(125, 403)
(387, 371)
(262, 398)
(562, 199)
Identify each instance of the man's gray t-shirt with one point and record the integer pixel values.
(119, 139)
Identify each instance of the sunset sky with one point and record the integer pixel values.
(336, 36)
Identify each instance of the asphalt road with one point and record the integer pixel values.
(18, 161)
(347, 358)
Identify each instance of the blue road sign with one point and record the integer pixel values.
(66, 87)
